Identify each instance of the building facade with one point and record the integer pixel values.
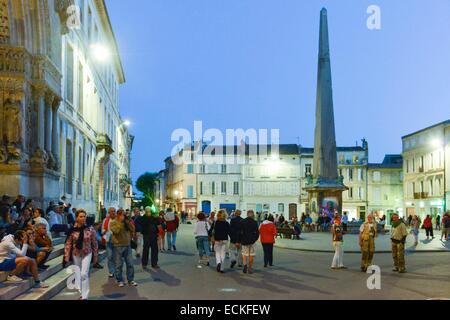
(61, 127)
(426, 156)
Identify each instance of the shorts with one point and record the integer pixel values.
(8, 265)
(249, 250)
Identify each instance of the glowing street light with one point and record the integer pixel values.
(127, 123)
(100, 52)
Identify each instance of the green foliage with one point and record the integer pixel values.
(146, 184)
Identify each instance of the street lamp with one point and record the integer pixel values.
(100, 52)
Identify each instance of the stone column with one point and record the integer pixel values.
(41, 120)
(48, 128)
(55, 133)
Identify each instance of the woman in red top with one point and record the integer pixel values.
(428, 225)
(267, 233)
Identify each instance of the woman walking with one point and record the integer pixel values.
(201, 236)
(338, 243)
(428, 225)
(268, 232)
(221, 234)
(81, 247)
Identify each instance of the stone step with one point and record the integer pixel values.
(57, 283)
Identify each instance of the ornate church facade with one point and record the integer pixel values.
(61, 133)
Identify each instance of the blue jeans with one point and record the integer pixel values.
(203, 246)
(111, 258)
(123, 254)
(171, 239)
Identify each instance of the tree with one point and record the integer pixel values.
(146, 184)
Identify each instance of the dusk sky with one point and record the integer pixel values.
(253, 64)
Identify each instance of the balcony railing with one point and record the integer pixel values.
(420, 195)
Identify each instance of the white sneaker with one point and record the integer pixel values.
(133, 283)
(12, 278)
(121, 284)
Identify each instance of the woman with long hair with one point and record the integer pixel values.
(81, 247)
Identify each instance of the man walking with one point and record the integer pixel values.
(398, 238)
(235, 247)
(367, 236)
(122, 233)
(107, 241)
(248, 236)
(149, 227)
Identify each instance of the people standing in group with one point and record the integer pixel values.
(338, 243)
(428, 225)
(137, 225)
(367, 236)
(221, 233)
(399, 233)
(149, 227)
(81, 246)
(235, 246)
(415, 229)
(268, 232)
(201, 233)
(162, 232)
(122, 233)
(172, 224)
(108, 241)
(445, 227)
(248, 236)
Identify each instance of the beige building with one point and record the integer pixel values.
(426, 156)
(63, 134)
(385, 185)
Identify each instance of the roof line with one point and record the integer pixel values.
(428, 128)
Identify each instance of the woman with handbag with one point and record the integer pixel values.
(201, 236)
(81, 246)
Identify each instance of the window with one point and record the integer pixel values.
(80, 89)
(236, 188)
(377, 195)
(201, 188)
(360, 193)
(350, 174)
(213, 188)
(407, 166)
(69, 74)
(360, 175)
(308, 170)
(190, 169)
(421, 187)
(223, 168)
(80, 170)
(69, 167)
(202, 169)
(431, 187)
(223, 187)
(190, 192)
(350, 193)
(431, 161)
(377, 176)
(281, 208)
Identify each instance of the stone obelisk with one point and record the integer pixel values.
(325, 187)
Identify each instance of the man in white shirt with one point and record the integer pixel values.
(56, 221)
(38, 219)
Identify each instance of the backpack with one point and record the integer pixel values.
(447, 222)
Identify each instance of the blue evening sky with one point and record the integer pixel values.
(253, 64)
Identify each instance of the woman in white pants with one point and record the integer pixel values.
(81, 247)
(221, 234)
(338, 243)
